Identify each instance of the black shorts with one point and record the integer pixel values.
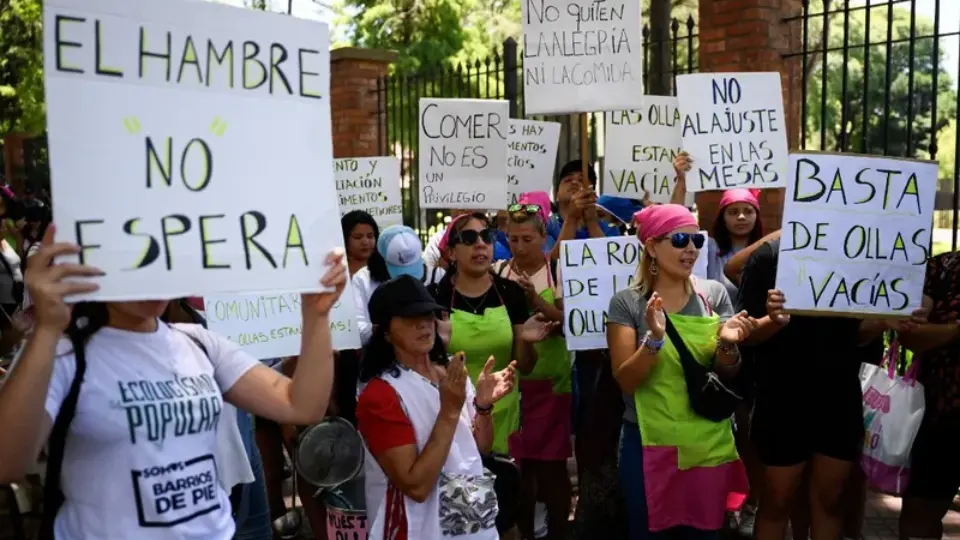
(935, 469)
(788, 427)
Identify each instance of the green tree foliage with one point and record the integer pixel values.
(856, 109)
(22, 108)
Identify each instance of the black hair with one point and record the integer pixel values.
(721, 234)
(458, 226)
(351, 219)
(379, 356)
(14, 208)
(185, 309)
(87, 319)
(574, 167)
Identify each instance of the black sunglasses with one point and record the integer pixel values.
(528, 208)
(681, 240)
(469, 237)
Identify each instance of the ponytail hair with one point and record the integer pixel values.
(87, 319)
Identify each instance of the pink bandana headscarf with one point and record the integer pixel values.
(661, 219)
(445, 239)
(733, 196)
(539, 198)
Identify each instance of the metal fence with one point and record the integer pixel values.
(500, 76)
(876, 80)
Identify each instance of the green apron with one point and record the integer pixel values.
(479, 337)
(663, 406)
(553, 358)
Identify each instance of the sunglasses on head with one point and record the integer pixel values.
(527, 208)
(681, 240)
(469, 237)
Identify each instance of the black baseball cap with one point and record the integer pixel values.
(404, 296)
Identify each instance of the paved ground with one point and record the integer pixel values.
(881, 519)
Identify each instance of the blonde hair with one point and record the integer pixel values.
(644, 280)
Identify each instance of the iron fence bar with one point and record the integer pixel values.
(888, 77)
(823, 80)
(846, 77)
(911, 54)
(805, 6)
(936, 83)
(690, 25)
(865, 136)
(956, 169)
(675, 29)
(878, 43)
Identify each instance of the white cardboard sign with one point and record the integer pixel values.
(463, 153)
(532, 157)
(270, 325)
(189, 168)
(701, 266)
(856, 234)
(371, 185)
(581, 55)
(734, 130)
(640, 147)
(593, 271)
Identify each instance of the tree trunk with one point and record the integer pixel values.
(660, 78)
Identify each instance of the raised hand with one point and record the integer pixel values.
(775, 303)
(655, 318)
(492, 387)
(537, 328)
(336, 278)
(49, 284)
(453, 386)
(737, 328)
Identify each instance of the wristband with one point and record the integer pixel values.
(482, 411)
(651, 343)
(728, 348)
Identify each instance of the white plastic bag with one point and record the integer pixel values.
(892, 413)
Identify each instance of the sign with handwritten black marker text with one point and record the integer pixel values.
(856, 234)
(371, 185)
(581, 55)
(532, 150)
(593, 271)
(270, 325)
(640, 146)
(463, 153)
(733, 128)
(185, 143)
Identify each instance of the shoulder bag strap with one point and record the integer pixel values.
(56, 443)
(686, 357)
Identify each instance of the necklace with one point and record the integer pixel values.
(475, 308)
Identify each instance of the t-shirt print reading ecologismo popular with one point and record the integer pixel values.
(140, 454)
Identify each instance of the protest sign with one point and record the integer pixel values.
(856, 234)
(532, 151)
(640, 147)
(734, 130)
(269, 325)
(592, 272)
(463, 153)
(371, 185)
(178, 166)
(581, 56)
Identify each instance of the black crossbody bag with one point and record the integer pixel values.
(710, 397)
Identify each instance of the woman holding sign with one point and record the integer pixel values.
(678, 462)
(129, 406)
(543, 444)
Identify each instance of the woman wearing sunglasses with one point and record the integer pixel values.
(489, 315)
(543, 444)
(676, 467)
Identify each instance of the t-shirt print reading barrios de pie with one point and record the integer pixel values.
(140, 459)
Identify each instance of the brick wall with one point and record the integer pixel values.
(750, 35)
(353, 100)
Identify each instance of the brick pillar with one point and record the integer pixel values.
(750, 35)
(353, 100)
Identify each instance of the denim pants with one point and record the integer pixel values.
(253, 514)
(635, 495)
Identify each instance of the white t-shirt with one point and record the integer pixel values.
(140, 453)
(431, 253)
